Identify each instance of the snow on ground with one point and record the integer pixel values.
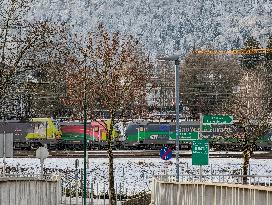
(133, 175)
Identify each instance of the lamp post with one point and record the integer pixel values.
(175, 58)
(85, 140)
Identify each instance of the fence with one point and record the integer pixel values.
(29, 190)
(97, 192)
(265, 180)
(133, 176)
(195, 193)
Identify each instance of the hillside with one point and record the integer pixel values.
(168, 25)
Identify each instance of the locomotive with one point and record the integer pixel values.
(154, 135)
(36, 132)
(73, 134)
(31, 134)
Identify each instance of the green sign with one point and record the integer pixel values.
(217, 119)
(207, 128)
(188, 136)
(185, 136)
(200, 152)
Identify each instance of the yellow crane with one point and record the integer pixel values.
(234, 52)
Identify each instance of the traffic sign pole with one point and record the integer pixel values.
(200, 137)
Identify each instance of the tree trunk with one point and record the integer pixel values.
(247, 151)
(246, 157)
(112, 197)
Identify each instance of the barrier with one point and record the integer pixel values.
(263, 180)
(29, 191)
(203, 193)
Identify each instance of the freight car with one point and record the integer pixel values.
(153, 135)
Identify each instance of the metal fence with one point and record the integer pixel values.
(97, 191)
(260, 180)
(135, 178)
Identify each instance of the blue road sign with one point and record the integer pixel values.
(166, 153)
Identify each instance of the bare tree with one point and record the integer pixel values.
(250, 107)
(27, 49)
(113, 72)
(207, 82)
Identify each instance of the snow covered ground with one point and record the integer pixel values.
(133, 175)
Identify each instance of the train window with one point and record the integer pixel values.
(141, 129)
(96, 128)
(165, 127)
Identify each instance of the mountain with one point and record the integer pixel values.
(165, 26)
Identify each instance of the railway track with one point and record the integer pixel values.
(135, 154)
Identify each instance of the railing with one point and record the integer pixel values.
(164, 191)
(261, 180)
(47, 177)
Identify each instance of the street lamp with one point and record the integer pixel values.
(85, 139)
(175, 58)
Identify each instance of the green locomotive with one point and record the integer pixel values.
(153, 135)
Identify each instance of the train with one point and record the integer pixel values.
(67, 135)
(36, 132)
(155, 135)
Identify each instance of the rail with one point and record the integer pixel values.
(206, 193)
(261, 180)
(46, 177)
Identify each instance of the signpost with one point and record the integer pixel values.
(166, 153)
(217, 119)
(42, 153)
(188, 136)
(77, 179)
(200, 152)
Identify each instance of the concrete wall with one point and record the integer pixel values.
(15, 191)
(171, 193)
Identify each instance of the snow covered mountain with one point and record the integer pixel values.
(165, 26)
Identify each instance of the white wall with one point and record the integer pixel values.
(29, 192)
(170, 193)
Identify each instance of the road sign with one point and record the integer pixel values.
(166, 153)
(188, 136)
(207, 128)
(200, 152)
(185, 136)
(217, 119)
(42, 153)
